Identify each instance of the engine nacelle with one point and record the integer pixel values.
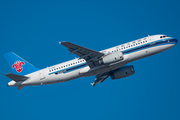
(122, 72)
(113, 57)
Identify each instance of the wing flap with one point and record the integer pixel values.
(100, 78)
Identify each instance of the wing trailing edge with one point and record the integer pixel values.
(89, 55)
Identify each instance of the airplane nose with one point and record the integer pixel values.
(176, 41)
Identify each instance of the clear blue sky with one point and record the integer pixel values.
(31, 29)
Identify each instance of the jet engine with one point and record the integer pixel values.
(110, 58)
(122, 72)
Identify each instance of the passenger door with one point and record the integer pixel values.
(41, 75)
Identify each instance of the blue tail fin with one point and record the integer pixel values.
(19, 65)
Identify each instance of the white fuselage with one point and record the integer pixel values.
(76, 68)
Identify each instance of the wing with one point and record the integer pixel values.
(89, 55)
(100, 78)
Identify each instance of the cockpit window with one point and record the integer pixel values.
(163, 36)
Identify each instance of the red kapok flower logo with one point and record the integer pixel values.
(18, 65)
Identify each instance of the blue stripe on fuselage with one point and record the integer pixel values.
(151, 44)
(134, 49)
(69, 69)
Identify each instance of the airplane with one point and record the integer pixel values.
(109, 62)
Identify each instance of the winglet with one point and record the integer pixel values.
(59, 42)
(93, 84)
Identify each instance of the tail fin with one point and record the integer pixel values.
(19, 65)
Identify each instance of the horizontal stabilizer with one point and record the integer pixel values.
(16, 77)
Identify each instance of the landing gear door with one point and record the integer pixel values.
(41, 75)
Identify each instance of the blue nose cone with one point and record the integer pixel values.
(174, 40)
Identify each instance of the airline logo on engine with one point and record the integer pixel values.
(18, 66)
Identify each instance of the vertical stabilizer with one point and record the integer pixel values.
(19, 65)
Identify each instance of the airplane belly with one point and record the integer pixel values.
(70, 76)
